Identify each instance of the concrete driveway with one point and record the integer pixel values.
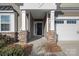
(70, 48)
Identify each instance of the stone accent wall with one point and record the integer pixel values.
(51, 36)
(22, 36)
(13, 35)
(51, 45)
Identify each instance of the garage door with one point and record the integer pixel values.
(67, 29)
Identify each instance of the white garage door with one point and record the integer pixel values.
(67, 29)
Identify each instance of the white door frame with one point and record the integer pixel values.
(35, 22)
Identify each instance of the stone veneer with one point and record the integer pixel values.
(22, 36)
(52, 45)
(13, 35)
(51, 36)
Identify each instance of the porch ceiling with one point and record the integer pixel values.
(38, 14)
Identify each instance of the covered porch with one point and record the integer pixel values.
(37, 23)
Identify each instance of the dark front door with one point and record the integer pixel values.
(39, 28)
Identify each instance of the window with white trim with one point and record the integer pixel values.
(5, 22)
(59, 21)
(71, 21)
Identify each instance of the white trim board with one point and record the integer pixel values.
(6, 11)
(67, 17)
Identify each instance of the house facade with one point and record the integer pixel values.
(25, 21)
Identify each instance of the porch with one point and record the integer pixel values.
(36, 23)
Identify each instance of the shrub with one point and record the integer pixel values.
(8, 49)
(2, 43)
(14, 50)
(5, 40)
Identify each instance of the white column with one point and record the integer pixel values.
(47, 22)
(52, 18)
(27, 23)
(23, 20)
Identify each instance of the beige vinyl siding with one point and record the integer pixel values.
(71, 14)
(69, 5)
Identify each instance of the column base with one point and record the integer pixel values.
(22, 36)
(52, 45)
(51, 36)
(12, 35)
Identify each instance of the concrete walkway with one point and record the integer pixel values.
(38, 48)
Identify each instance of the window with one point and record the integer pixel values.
(5, 18)
(59, 21)
(5, 22)
(71, 21)
(4, 27)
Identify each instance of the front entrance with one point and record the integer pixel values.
(38, 28)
